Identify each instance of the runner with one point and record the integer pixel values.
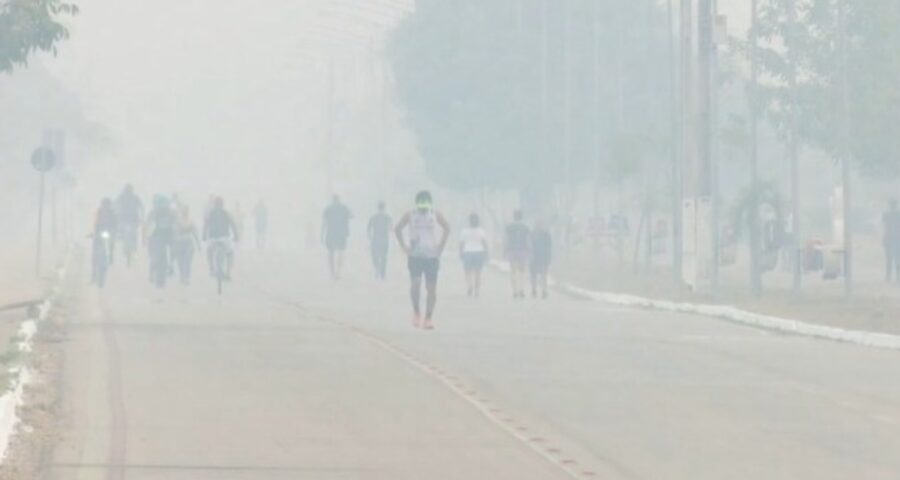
(541, 255)
(517, 253)
(161, 223)
(335, 230)
(473, 249)
(423, 252)
(379, 231)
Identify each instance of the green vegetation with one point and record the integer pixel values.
(27, 26)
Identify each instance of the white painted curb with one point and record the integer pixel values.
(858, 337)
(20, 375)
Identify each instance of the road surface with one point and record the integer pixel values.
(291, 375)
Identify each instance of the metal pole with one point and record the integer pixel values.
(794, 153)
(845, 149)
(755, 273)
(675, 132)
(40, 229)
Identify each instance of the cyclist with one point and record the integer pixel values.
(517, 253)
(161, 223)
(130, 213)
(219, 231)
(105, 227)
(379, 231)
(335, 230)
(423, 252)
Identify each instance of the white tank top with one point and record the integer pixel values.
(423, 237)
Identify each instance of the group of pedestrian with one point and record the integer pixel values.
(422, 234)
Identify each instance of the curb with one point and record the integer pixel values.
(20, 375)
(732, 314)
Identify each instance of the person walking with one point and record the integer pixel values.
(473, 249)
(334, 234)
(541, 256)
(891, 239)
(423, 253)
(517, 253)
(379, 231)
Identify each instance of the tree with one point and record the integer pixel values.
(27, 26)
(804, 65)
(529, 94)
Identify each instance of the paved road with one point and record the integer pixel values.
(288, 377)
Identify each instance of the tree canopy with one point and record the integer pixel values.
(27, 26)
(528, 94)
(804, 65)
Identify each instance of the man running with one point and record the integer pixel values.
(379, 231)
(423, 252)
(335, 230)
(517, 253)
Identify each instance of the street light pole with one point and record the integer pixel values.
(675, 132)
(845, 148)
(755, 273)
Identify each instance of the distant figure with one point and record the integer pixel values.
(161, 224)
(379, 231)
(541, 256)
(424, 253)
(891, 220)
(517, 253)
(261, 220)
(473, 249)
(335, 231)
(106, 225)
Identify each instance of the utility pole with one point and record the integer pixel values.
(794, 157)
(755, 273)
(845, 153)
(675, 132)
(329, 125)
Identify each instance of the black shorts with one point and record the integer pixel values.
(429, 267)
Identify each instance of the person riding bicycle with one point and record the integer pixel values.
(219, 230)
(105, 227)
(161, 223)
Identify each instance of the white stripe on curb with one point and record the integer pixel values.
(20, 375)
(724, 312)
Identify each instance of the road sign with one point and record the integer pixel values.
(43, 159)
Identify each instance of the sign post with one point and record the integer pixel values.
(43, 160)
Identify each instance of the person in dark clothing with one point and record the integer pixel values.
(891, 222)
(161, 222)
(335, 231)
(517, 252)
(541, 256)
(379, 230)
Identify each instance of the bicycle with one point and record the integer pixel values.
(219, 253)
(102, 257)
